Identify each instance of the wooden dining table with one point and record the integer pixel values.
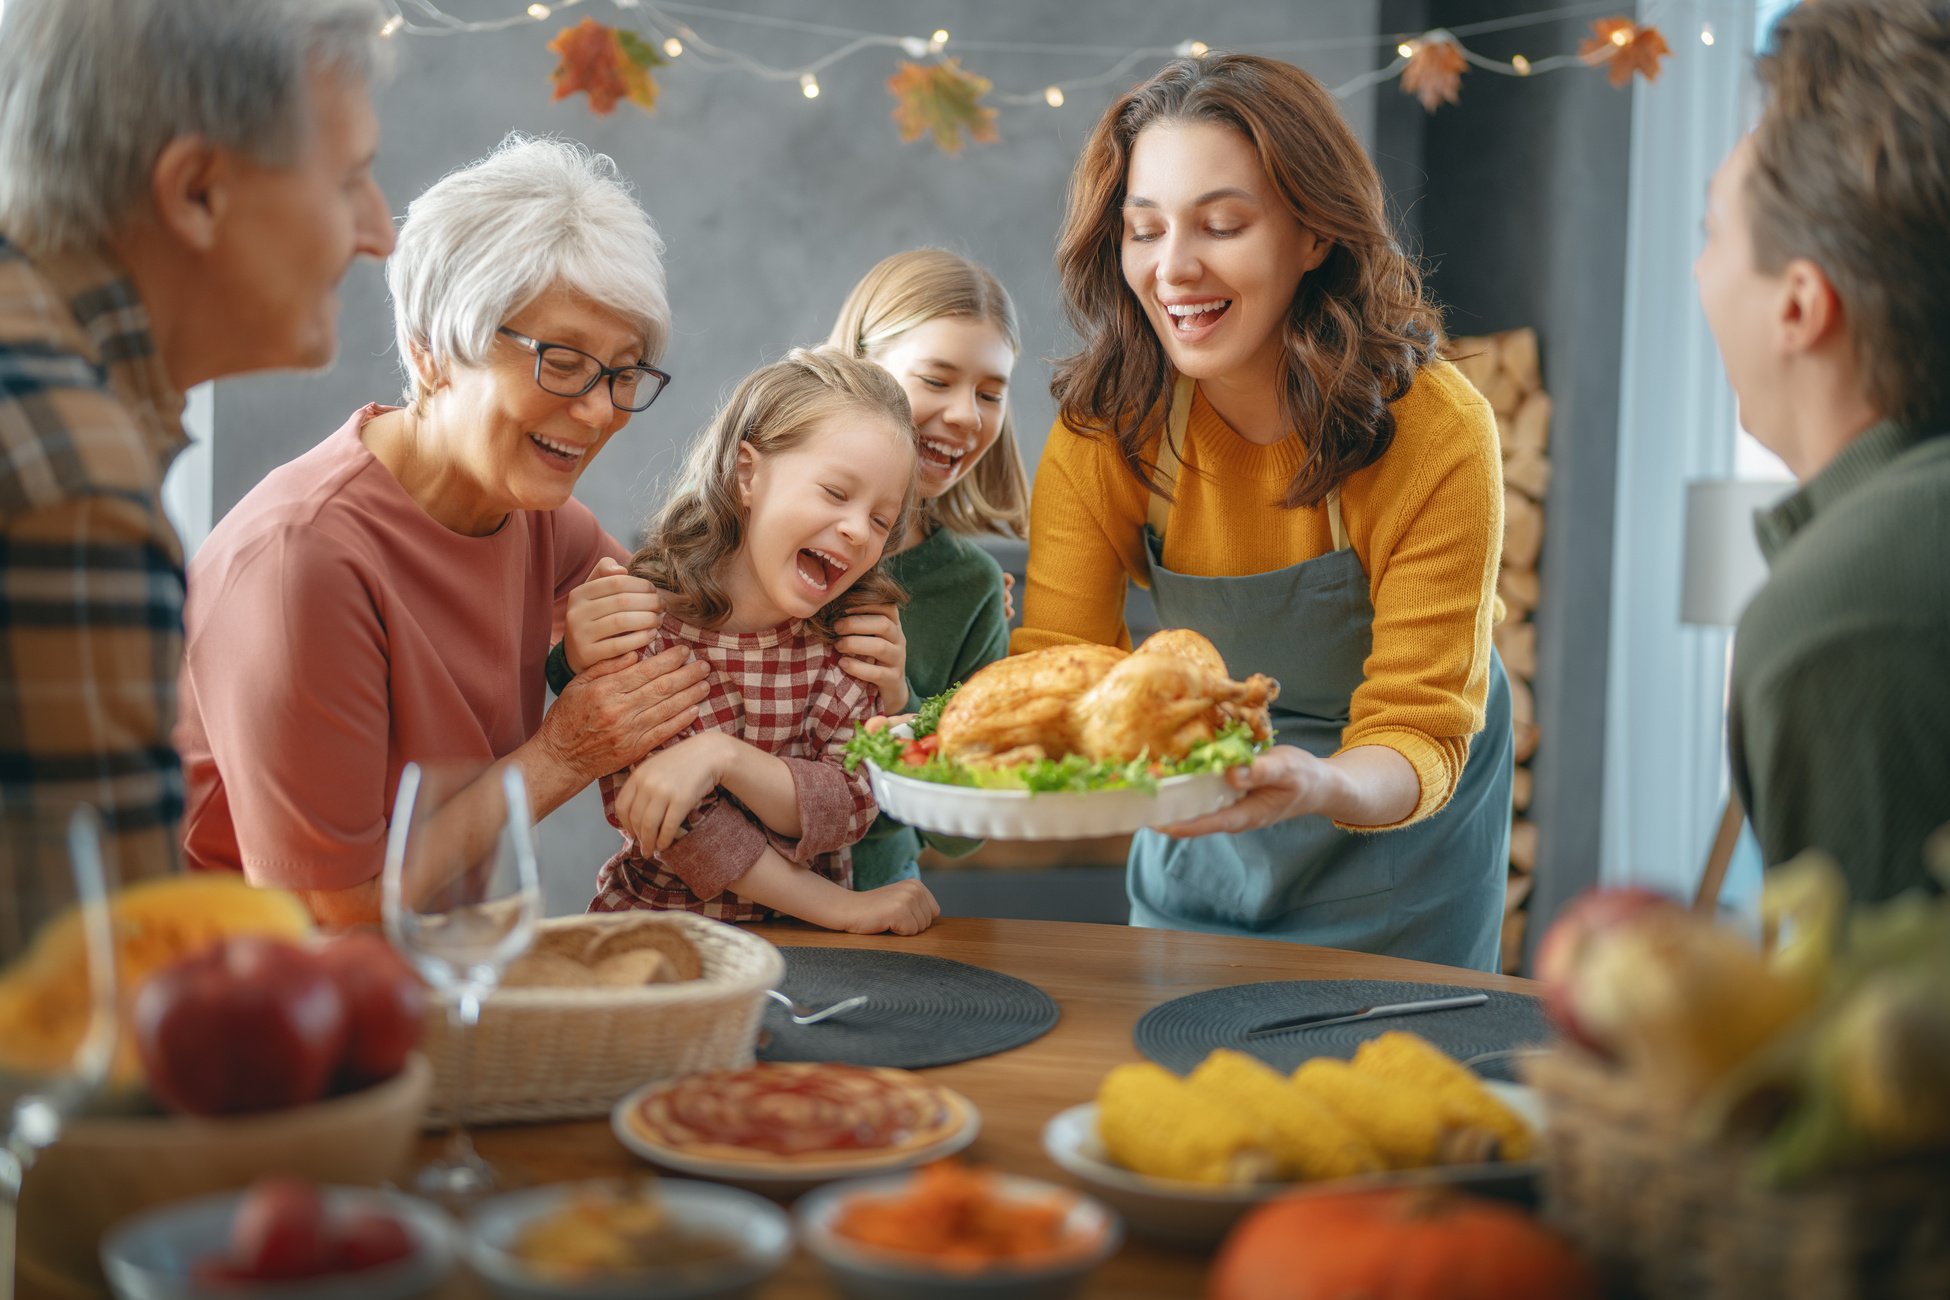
(1103, 977)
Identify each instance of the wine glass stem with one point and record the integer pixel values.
(11, 1171)
(463, 1013)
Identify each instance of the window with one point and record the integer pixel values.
(1665, 754)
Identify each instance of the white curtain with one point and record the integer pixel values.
(186, 491)
(1665, 753)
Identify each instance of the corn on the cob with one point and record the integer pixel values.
(1399, 1120)
(1448, 1086)
(1152, 1122)
(1308, 1138)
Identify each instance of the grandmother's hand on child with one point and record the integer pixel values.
(873, 648)
(612, 613)
(621, 709)
(904, 907)
(664, 788)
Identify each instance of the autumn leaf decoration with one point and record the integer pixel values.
(1434, 71)
(1625, 47)
(942, 100)
(606, 64)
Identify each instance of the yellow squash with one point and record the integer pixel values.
(44, 994)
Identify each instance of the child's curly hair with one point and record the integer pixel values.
(774, 409)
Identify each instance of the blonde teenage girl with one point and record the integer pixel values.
(946, 330)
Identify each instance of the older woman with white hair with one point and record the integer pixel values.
(391, 595)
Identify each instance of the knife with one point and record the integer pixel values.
(1320, 1018)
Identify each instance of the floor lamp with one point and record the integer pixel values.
(1723, 569)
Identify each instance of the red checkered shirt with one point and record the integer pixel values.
(783, 691)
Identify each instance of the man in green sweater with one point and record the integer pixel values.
(1825, 279)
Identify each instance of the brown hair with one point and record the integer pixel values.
(1851, 170)
(906, 291)
(1359, 328)
(775, 409)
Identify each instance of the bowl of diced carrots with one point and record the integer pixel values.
(949, 1231)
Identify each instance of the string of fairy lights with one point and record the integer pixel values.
(669, 28)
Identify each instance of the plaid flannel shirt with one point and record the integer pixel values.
(783, 691)
(91, 573)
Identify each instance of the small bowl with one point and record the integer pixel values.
(757, 1228)
(103, 1169)
(149, 1257)
(1177, 1214)
(863, 1273)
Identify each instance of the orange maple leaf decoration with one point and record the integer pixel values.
(941, 99)
(1640, 51)
(1434, 72)
(605, 64)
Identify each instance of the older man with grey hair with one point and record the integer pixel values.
(182, 188)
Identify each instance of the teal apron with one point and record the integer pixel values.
(1432, 891)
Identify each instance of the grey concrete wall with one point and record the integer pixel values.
(772, 206)
(1401, 129)
(1522, 211)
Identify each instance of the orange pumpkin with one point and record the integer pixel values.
(1414, 1244)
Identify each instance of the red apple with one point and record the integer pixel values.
(385, 1000)
(368, 1239)
(219, 1271)
(280, 1230)
(1567, 945)
(250, 1023)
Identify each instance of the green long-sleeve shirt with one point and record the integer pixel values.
(954, 625)
(1839, 722)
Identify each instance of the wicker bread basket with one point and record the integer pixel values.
(571, 1053)
(1667, 1217)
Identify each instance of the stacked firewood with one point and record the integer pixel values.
(1504, 369)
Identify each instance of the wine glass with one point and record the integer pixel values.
(57, 1036)
(461, 896)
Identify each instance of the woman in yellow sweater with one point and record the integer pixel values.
(1258, 429)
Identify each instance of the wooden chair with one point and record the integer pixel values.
(1714, 878)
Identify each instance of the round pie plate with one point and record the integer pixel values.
(765, 1172)
(1046, 815)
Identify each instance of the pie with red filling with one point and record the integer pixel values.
(798, 1113)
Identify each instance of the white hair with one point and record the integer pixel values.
(92, 90)
(487, 240)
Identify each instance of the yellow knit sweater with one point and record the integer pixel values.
(1426, 521)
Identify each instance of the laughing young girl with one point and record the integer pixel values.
(788, 501)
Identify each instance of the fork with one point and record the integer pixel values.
(804, 1015)
(1503, 1054)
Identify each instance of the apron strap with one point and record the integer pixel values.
(1158, 509)
(1334, 521)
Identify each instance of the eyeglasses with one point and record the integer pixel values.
(571, 372)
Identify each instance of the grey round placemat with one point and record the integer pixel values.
(1179, 1033)
(924, 1010)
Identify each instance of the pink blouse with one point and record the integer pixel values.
(334, 632)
